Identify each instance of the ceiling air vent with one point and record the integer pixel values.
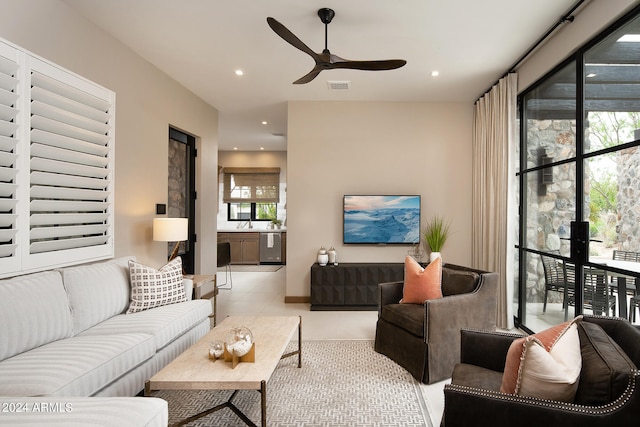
(338, 85)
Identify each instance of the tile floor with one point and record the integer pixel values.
(262, 293)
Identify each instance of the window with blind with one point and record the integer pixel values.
(251, 193)
(56, 165)
(251, 185)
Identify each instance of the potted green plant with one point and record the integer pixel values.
(435, 235)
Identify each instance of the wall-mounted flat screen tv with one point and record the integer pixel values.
(381, 220)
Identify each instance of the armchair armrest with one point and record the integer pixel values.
(445, 317)
(465, 406)
(486, 349)
(390, 293)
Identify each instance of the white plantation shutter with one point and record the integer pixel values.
(65, 168)
(8, 159)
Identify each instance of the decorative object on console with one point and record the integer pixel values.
(154, 288)
(435, 235)
(323, 256)
(416, 252)
(171, 230)
(333, 256)
(239, 346)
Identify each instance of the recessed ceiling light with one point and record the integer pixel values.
(435, 73)
(239, 72)
(264, 122)
(262, 148)
(634, 38)
(235, 148)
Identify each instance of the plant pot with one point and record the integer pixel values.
(434, 255)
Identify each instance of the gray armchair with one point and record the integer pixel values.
(425, 338)
(608, 391)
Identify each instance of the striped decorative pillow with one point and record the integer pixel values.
(153, 288)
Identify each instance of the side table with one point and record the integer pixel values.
(199, 280)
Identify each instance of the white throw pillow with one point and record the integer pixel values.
(153, 288)
(552, 374)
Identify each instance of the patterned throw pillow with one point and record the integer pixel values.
(153, 288)
(421, 284)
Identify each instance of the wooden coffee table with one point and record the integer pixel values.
(193, 370)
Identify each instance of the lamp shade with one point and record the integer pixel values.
(170, 229)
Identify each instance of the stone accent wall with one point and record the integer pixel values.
(554, 203)
(628, 200)
(177, 186)
(177, 203)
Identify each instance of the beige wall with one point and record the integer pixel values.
(595, 17)
(147, 102)
(338, 148)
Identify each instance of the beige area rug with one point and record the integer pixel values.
(341, 383)
(252, 268)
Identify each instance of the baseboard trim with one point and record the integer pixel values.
(297, 300)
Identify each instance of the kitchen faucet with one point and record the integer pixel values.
(244, 224)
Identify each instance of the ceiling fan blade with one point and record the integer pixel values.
(389, 64)
(289, 37)
(309, 76)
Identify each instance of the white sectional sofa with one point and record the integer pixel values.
(65, 333)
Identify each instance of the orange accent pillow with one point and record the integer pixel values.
(421, 284)
(556, 364)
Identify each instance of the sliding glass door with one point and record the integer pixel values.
(579, 243)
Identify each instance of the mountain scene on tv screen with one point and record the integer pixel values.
(382, 219)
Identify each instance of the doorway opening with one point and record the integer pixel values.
(181, 190)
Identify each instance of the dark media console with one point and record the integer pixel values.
(351, 286)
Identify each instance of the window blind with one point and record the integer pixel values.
(251, 185)
(59, 183)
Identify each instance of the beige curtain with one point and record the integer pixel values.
(494, 213)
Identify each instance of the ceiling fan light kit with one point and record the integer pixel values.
(326, 60)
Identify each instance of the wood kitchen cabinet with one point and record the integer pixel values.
(245, 247)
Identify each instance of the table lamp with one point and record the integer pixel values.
(171, 230)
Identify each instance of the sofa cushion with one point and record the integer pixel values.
(165, 323)
(476, 376)
(76, 366)
(33, 311)
(455, 282)
(409, 317)
(97, 291)
(152, 288)
(545, 365)
(421, 284)
(605, 367)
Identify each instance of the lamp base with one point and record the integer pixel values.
(174, 253)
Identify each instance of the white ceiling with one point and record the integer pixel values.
(200, 43)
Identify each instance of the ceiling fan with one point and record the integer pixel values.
(326, 60)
